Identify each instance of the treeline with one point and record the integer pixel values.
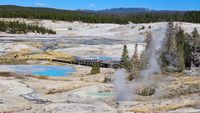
(16, 27)
(66, 15)
(181, 50)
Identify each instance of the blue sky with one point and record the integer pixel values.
(105, 4)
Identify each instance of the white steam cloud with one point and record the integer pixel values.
(126, 89)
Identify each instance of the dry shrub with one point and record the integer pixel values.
(41, 77)
(147, 91)
(54, 91)
(5, 74)
(9, 74)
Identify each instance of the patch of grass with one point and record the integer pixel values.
(184, 89)
(162, 108)
(12, 61)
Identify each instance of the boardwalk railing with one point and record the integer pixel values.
(107, 64)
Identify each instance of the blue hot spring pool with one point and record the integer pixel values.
(103, 58)
(39, 70)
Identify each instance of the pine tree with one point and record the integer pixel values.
(23, 28)
(125, 59)
(180, 39)
(178, 48)
(148, 40)
(95, 68)
(188, 50)
(146, 54)
(169, 49)
(135, 56)
(196, 39)
(135, 65)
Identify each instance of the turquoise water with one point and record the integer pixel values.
(103, 58)
(102, 94)
(41, 70)
(55, 71)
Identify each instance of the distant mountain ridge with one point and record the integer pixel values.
(129, 11)
(125, 10)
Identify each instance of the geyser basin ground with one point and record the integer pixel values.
(73, 94)
(40, 70)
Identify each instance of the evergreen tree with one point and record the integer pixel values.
(135, 65)
(146, 54)
(188, 50)
(125, 59)
(135, 56)
(148, 40)
(196, 39)
(180, 39)
(17, 27)
(169, 49)
(95, 68)
(179, 48)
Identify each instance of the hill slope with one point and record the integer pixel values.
(143, 15)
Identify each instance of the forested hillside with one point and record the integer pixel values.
(8, 11)
(17, 27)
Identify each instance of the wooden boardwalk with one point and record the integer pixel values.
(60, 58)
(104, 64)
